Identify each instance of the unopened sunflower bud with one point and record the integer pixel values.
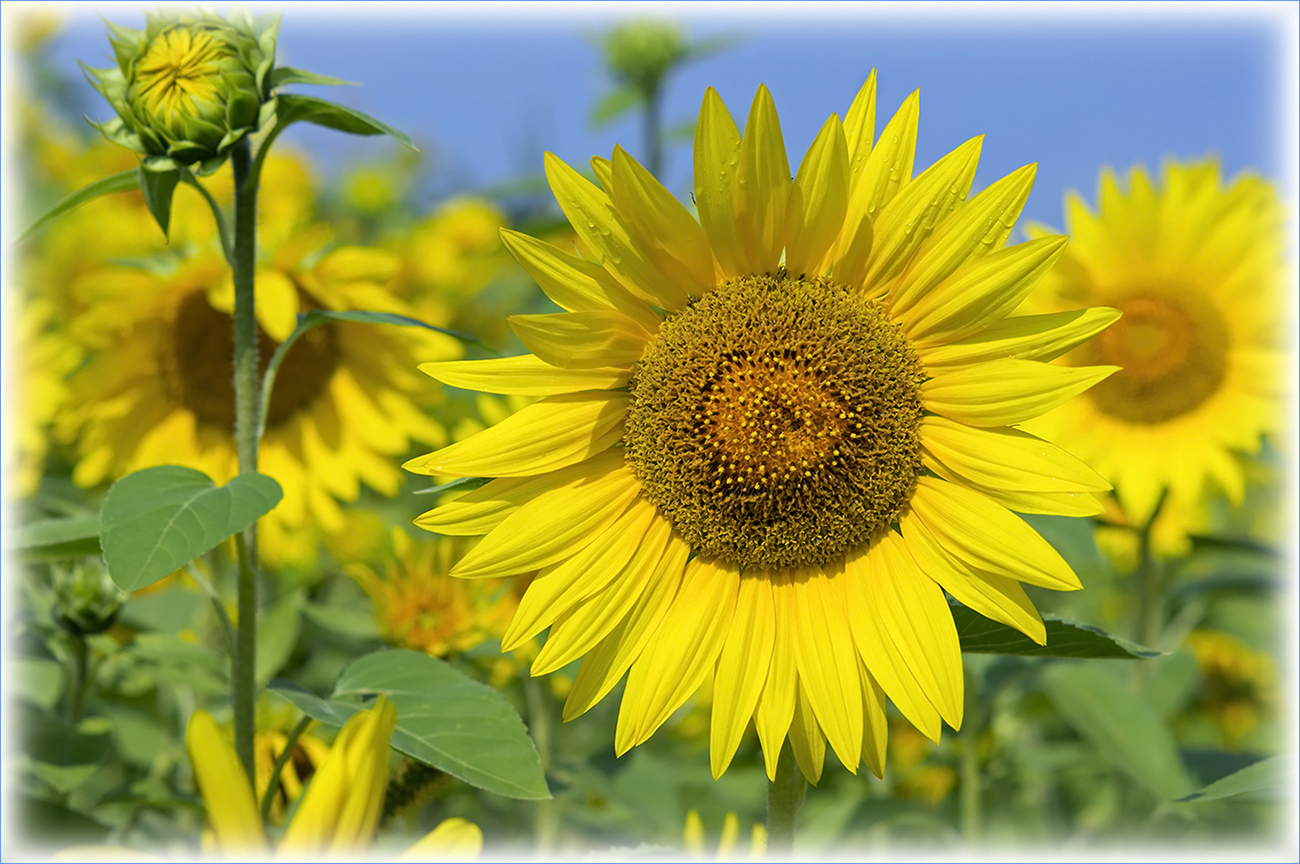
(641, 52)
(188, 87)
(85, 600)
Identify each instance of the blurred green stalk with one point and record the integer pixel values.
(784, 798)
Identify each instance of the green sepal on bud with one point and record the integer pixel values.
(86, 601)
(189, 86)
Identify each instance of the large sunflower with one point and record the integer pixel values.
(772, 438)
(1196, 269)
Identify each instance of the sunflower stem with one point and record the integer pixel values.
(971, 801)
(546, 828)
(784, 798)
(243, 265)
(653, 133)
(273, 784)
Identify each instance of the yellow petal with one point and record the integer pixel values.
(227, 792)
(906, 221)
(981, 293)
(818, 201)
(549, 434)
(368, 755)
(588, 571)
(582, 340)
(552, 527)
(593, 218)
(860, 127)
(483, 509)
(662, 227)
(888, 166)
(579, 629)
(276, 304)
(1028, 337)
(604, 171)
(875, 726)
(693, 834)
(1006, 392)
(762, 186)
(828, 663)
(676, 662)
(988, 536)
(525, 375)
(717, 153)
(454, 839)
(776, 704)
(575, 284)
(806, 738)
(604, 665)
(1004, 458)
(742, 669)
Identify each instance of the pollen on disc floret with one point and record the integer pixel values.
(774, 421)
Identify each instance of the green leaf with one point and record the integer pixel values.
(294, 107)
(1268, 779)
(40, 681)
(332, 713)
(154, 521)
(158, 188)
(346, 622)
(277, 635)
(1120, 724)
(463, 484)
(122, 182)
(52, 539)
(451, 721)
(1065, 638)
(288, 75)
(613, 105)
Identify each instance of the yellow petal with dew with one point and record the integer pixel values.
(717, 155)
(887, 168)
(1082, 504)
(676, 663)
(860, 127)
(806, 738)
(552, 433)
(593, 218)
(582, 340)
(1006, 392)
(742, 669)
(916, 621)
(981, 293)
(762, 186)
(563, 585)
(525, 375)
(665, 229)
(827, 663)
(604, 171)
(776, 704)
(454, 839)
(1026, 337)
(604, 665)
(988, 536)
(875, 725)
(905, 222)
(1005, 458)
(978, 228)
(552, 526)
(992, 595)
(483, 509)
(225, 787)
(877, 652)
(579, 629)
(818, 200)
(575, 284)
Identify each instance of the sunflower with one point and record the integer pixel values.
(773, 437)
(157, 387)
(1196, 269)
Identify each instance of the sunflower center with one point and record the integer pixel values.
(1173, 351)
(200, 369)
(774, 421)
(179, 63)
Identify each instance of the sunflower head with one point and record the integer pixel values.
(188, 86)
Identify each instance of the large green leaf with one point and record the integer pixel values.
(156, 520)
(52, 539)
(277, 634)
(1120, 724)
(120, 182)
(294, 107)
(1267, 779)
(451, 721)
(1065, 638)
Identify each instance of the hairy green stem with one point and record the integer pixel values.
(243, 265)
(971, 800)
(273, 784)
(784, 798)
(546, 828)
(653, 133)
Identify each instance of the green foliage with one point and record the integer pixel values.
(1065, 638)
(52, 539)
(1267, 779)
(120, 182)
(296, 108)
(158, 519)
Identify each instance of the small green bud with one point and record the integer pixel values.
(641, 52)
(85, 599)
(188, 87)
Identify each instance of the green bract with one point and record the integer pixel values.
(188, 86)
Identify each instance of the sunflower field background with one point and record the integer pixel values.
(387, 718)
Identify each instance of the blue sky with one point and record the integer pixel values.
(486, 88)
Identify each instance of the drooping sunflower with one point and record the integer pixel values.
(773, 437)
(1195, 267)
